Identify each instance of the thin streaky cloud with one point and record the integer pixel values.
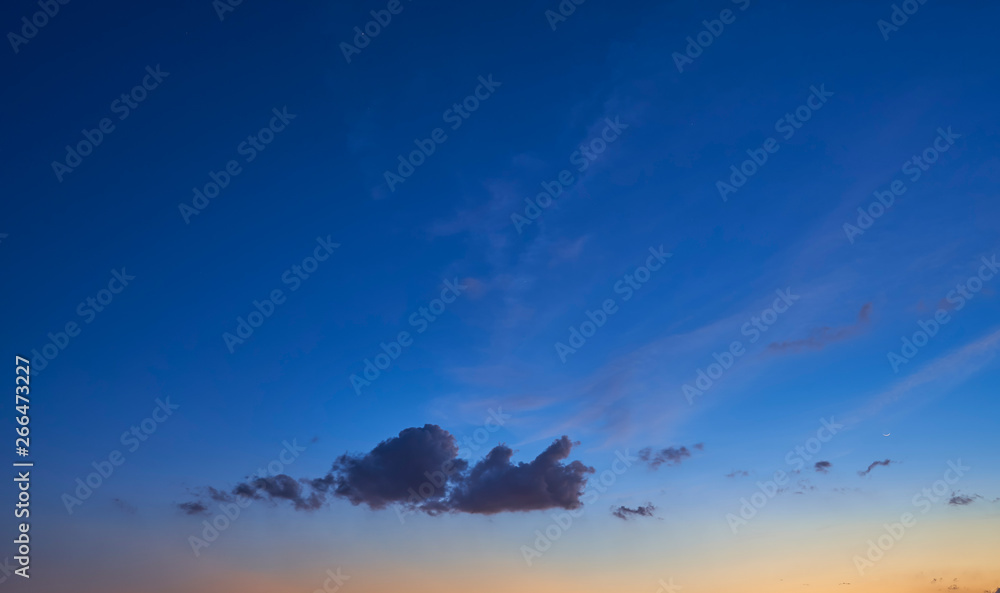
(821, 337)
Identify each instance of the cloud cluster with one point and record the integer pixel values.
(669, 456)
(873, 465)
(625, 513)
(280, 487)
(960, 500)
(420, 471)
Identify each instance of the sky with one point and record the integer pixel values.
(531, 295)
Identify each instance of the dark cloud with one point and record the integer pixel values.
(420, 471)
(822, 336)
(193, 508)
(282, 487)
(738, 473)
(960, 500)
(399, 468)
(823, 467)
(669, 456)
(495, 485)
(625, 513)
(873, 465)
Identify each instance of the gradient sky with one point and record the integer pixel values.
(887, 96)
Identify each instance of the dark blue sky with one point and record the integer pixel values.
(313, 183)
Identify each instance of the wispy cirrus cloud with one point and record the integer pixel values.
(945, 371)
(823, 336)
